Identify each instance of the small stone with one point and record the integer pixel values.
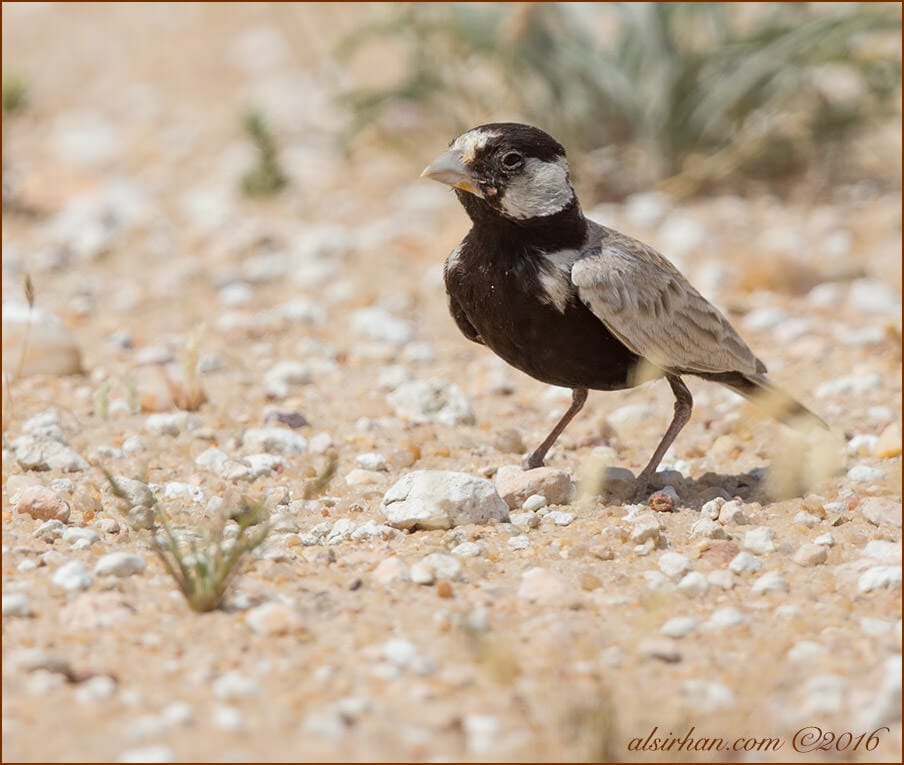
(271, 619)
(16, 604)
(804, 518)
(679, 626)
(444, 566)
(36, 342)
(359, 477)
(559, 517)
(373, 530)
(674, 565)
(371, 461)
(421, 573)
(283, 375)
(540, 585)
(804, 651)
(727, 616)
(378, 324)
(509, 441)
(72, 576)
(533, 503)
(646, 528)
(467, 550)
(721, 578)
(864, 474)
(274, 440)
(663, 501)
(712, 508)
(771, 581)
(707, 697)
(178, 713)
(442, 499)
(233, 686)
(121, 564)
(760, 540)
(171, 423)
(43, 504)
(40, 453)
(444, 589)
(50, 531)
(228, 718)
(525, 520)
(424, 401)
(136, 492)
(810, 555)
(390, 570)
(879, 578)
(694, 585)
(709, 529)
(95, 689)
(663, 649)
(519, 542)
(825, 539)
(889, 444)
(80, 538)
(745, 563)
(516, 485)
(881, 511)
(732, 512)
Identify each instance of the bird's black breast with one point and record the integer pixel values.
(500, 290)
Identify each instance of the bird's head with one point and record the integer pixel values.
(507, 169)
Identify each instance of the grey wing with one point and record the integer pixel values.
(649, 305)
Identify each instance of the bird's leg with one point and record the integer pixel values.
(578, 398)
(684, 403)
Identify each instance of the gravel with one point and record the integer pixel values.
(72, 576)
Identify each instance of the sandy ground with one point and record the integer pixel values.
(563, 635)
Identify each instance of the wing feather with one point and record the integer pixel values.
(649, 305)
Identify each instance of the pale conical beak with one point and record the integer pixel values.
(449, 168)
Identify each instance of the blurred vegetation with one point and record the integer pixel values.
(15, 94)
(266, 177)
(642, 92)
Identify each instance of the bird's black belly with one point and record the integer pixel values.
(572, 348)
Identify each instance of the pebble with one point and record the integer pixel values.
(50, 531)
(360, 477)
(373, 530)
(880, 578)
(559, 518)
(121, 564)
(509, 441)
(674, 565)
(771, 581)
(663, 649)
(804, 651)
(431, 401)
(712, 508)
(721, 578)
(371, 461)
(872, 297)
(274, 440)
(810, 555)
(36, 342)
(745, 563)
(519, 542)
(80, 538)
(694, 585)
(803, 518)
(727, 616)
(516, 485)
(524, 520)
(233, 686)
(271, 619)
(341, 531)
(178, 713)
(864, 474)
(707, 697)
(137, 493)
(391, 570)
(392, 376)
(444, 566)
(219, 463)
(647, 528)
(884, 708)
(732, 512)
(442, 499)
(539, 585)
(171, 423)
(883, 551)
(533, 503)
(95, 689)
(710, 529)
(43, 504)
(378, 324)
(227, 718)
(881, 511)
(72, 576)
(679, 626)
(823, 695)
(889, 444)
(481, 734)
(16, 604)
(467, 550)
(421, 573)
(37, 453)
(283, 375)
(825, 539)
(760, 540)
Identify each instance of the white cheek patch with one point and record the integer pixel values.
(540, 189)
(472, 142)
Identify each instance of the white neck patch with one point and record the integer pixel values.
(472, 142)
(541, 189)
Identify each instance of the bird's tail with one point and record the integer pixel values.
(770, 399)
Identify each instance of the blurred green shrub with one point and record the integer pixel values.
(702, 91)
(266, 177)
(15, 94)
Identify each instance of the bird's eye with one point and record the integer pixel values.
(512, 160)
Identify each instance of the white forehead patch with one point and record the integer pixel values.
(473, 141)
(540, 189)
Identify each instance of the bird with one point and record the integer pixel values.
(573, 303)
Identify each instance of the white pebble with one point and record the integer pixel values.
(732, 512)
(559, 517)
(760, 540)
(694, 585)
(745, 563)
(533, 503)
(825, 539)
(519, 542)
(467, 550)
(864, 474)
(679, 626)
(674, 565)
(727, 616)
(72, 576)
(771, 581)
(879, 578)
(371, 461)
(16, 604)
(234, 685)
(708, 528)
